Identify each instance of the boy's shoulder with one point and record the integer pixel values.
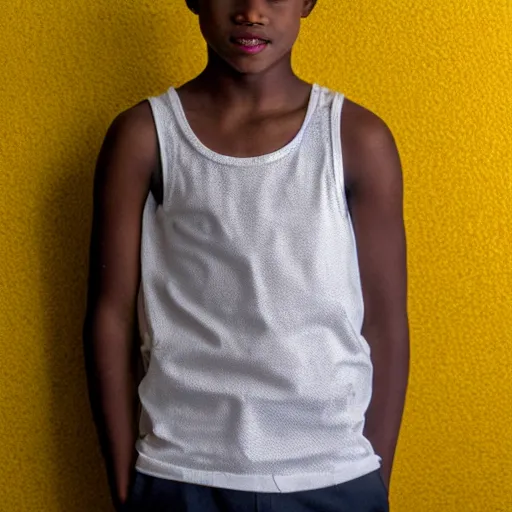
(130, 147)
(362, 127)
(133, 132)
(135, 121)
(366, 139)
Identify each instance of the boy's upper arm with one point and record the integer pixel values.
(126, 163)
(373, 181)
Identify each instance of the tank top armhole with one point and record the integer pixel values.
(160, 112)
(337, 152)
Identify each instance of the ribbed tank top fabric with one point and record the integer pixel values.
(250, 312)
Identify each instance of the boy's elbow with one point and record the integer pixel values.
(107, 325)
(389, 332)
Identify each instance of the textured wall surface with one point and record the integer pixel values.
(440, 75)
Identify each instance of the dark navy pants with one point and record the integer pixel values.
(365, 494)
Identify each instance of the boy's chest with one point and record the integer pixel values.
(249, 137)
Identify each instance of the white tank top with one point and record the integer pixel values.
(250, 310)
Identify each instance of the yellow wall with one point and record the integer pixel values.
(439, 72)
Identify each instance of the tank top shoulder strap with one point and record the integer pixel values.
(166, 125)
(337, 101)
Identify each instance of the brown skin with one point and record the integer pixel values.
(373, 182)
(240, 105)
(126, 164)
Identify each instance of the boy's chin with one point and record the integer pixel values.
(249, 66)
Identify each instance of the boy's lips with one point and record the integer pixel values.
(250, 42)
(260, 36)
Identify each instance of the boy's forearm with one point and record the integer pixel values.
(113, 399)
(390, 357)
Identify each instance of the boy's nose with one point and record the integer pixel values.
(251, 12)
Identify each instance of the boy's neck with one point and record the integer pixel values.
(267, 90)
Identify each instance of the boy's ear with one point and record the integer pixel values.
(307, 7)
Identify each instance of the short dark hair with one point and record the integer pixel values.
(192, 5)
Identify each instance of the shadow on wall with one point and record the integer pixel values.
(65, 209)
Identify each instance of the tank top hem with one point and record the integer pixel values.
(259, 483)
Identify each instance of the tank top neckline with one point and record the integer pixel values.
(234, 160)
